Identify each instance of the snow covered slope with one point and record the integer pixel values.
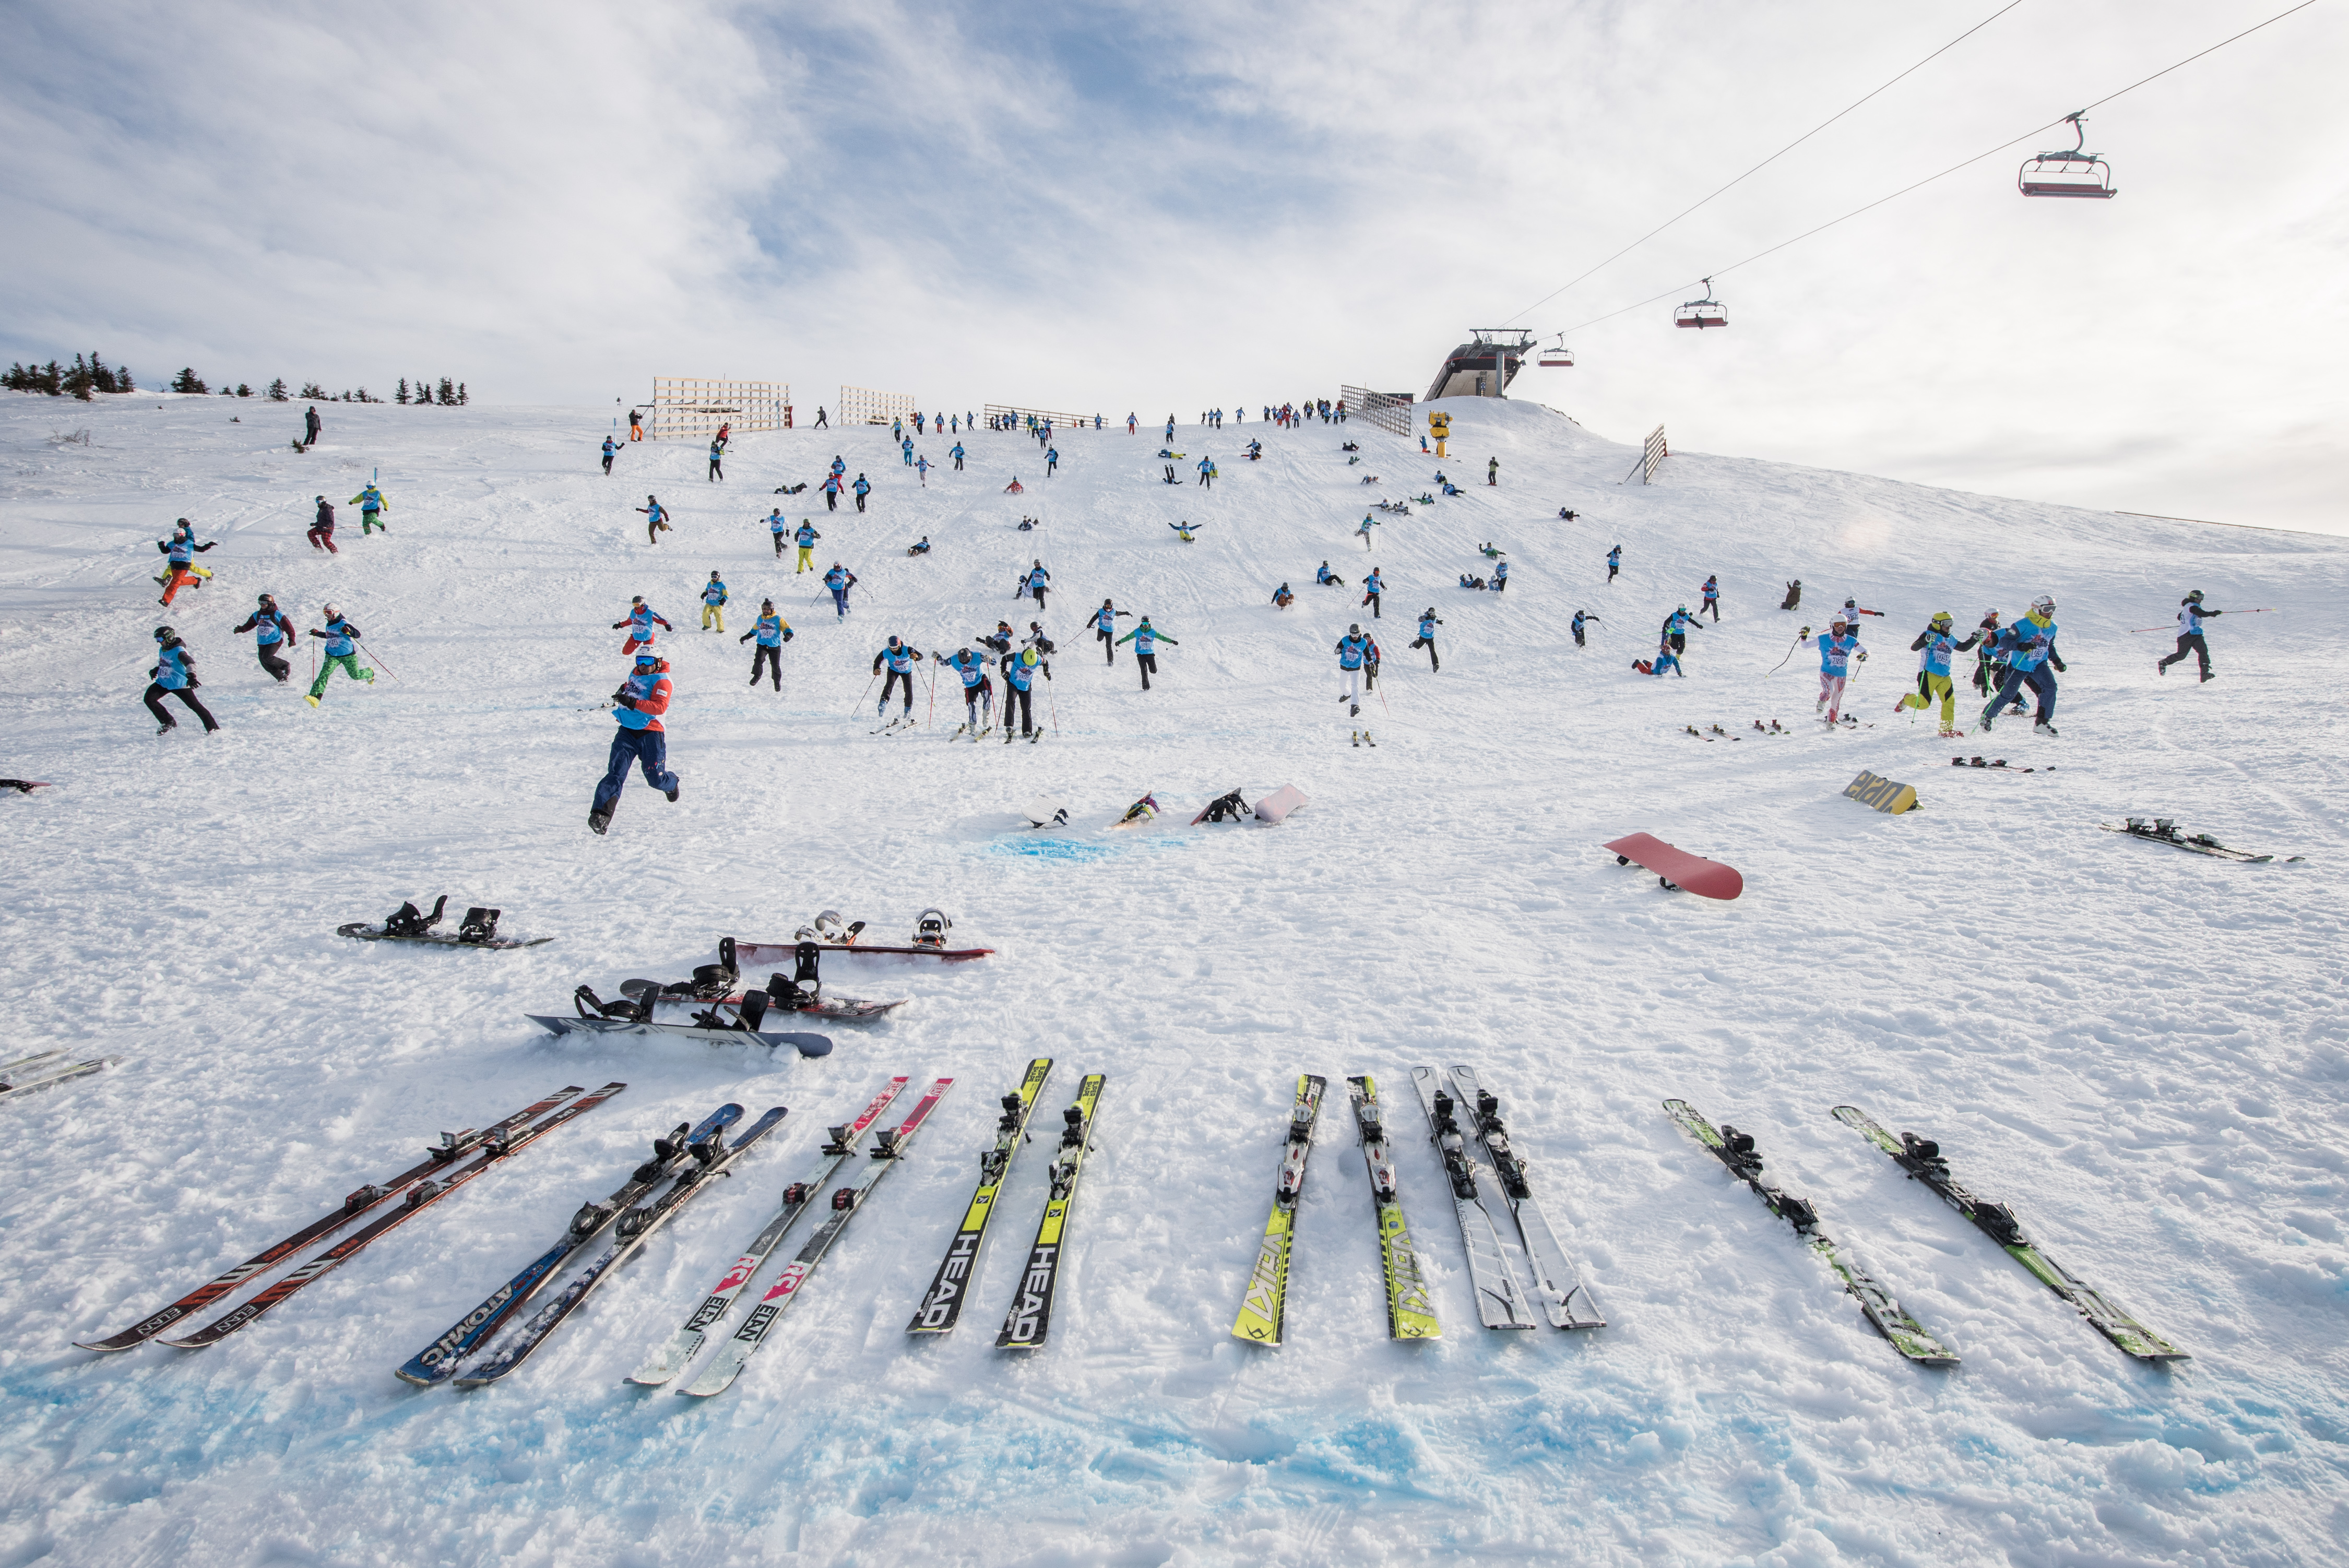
(2143, 1051)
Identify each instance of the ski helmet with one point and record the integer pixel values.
(1941, 618)
(2043, 605)
(713, 577)
(164, 634)
(647, 657)
(892, 639)
(1354, 628)
(268, 599)
(1029, 658)
(2195, 595)
(331, 612)
(1682, 611)
(964, 651)
(638, 598)
(1838, 625)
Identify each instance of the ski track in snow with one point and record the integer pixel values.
(2142, 1051)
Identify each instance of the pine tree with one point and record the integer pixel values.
(244, 390)
(313, 392)
(460, 394)
(448, 393)
(189, 381)
(122, 382)
(277, 390)
(401, 396)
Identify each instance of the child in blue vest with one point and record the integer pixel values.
(772, 632)
(341, 652)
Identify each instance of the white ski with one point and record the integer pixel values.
(1500, 1303)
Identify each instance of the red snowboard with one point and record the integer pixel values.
(1678, 868)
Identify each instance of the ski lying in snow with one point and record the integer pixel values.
(48, 1074)
(1411, 1311)
(436, 1361)
(21, 1063)
(710, 1158)
(839, 1147)
(1500, 1302)
(2163, 831)
(366, 933)
(1921, 1158)
(782, 952)
(451, 1145)
(1566, 1300)
(724, 1364)
(1735, 1149)
(1264, 1308)
(941, 1306)
(491, 1150)
(1029, 1321)
(808, 1045)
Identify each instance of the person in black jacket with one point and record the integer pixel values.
(310, 426)
(274, 634)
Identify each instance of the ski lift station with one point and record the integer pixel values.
(1483, 365)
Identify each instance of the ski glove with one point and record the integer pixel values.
(2060, 666)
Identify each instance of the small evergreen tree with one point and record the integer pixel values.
(448, 393)
(243, 391)
(122, 382)
(401, 393)
(277, 390)
(189, 381)
(312, 390)
(460, 394)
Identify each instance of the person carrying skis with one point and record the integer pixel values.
(772, 632)
(716, 461)
(956, 456)
(271, 632)
(1038, 578)
(372, 506)
(1105, 621)
(776, 529)
(1372, 588)
(174, 675)
(2030, 648)
(1426, 638)
(1933, 647)
(1328, 576)
(840, 579)
(1146, 639)
(1500, 575)
(2190, 616)
(1353, 651)
(923, 468)
(713, 603)
(1676, 628)
(863, 487)
(1712, 600)
(638, 705)
(1580, 619)
(1614, 563)
(1018, 676)
(901, 657)
(611, 451)
(341, 652)
(655, 519)
(804, 536)
(640, 620)
(1837, 645)
(322, 529)
(976, 689)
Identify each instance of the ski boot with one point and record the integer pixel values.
(2042, 728)
(598, 821)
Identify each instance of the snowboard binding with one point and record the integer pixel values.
(930, 928)
(1227, 809)
(480, 926)
(409, 921)
(803, 988)
(637, 1009)
(749, 1013)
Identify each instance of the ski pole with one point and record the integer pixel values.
(861, 695)
(2136, 629)
(933, 714)
(375, 655)
(1781, 665)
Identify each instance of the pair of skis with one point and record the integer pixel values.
(30, 1075)
(724, 1363)
(1029, 1323)
(459, 1158)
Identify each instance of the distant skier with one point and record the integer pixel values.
(1043, 646)
(1852, 613)
(1353, 651)
(638, 705)
(1363, 532)
(863, 487)
(831, 492)
(772, 632)
(901, 657)
(1990, 663)
(1676, 628)
(1326, 576)
(2030, 648)
(1712, 600)
(713, 603)
(640, 620)
(1207, 472)
(2190, 616)
(805, 536)
(777, 528)
(611, 451)
(923, 468)
(820, 422)
(372, 506)
(716, 461)
(1052, 466)
(1372, 586)
(1581, 618)
(1038, 579)
(322, 529)
(1500, 575)
(1426, 638)
(957, 455)
(655, 519)
(1019, 678)
(976, 689)
(310, 427)
(840, 579)
(272, 632)
(1933, 646)
(1105, 621)
(1146, 639)
(1614, 563)
(179, 552)
(1837, 645)
(174, 675)
(906, 448)
(1492, 470)
(636, 425)
(342, 653)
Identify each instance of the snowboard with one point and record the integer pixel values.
(366, 933)
(808, 1045)
(1140, 812)
(1044, 811)
(762, 953)
(838, 1009)
(1678, 869)
(1275, 806)
(1229, 794)
(24, 786)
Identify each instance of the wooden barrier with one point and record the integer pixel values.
(689, 408)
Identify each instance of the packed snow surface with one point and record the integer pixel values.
(2142, 1051)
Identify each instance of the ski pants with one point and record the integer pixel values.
(1037, 589)
(2041, 681)
(349, 664)
(713, 613)
(1499, 583)
(278, 668)
(1015, 698)
(371, 520)
(860, 503)
(181, 576)
(957, 465)
(648, 746)
(1108, 643)
(2191, 642)
(891, 684)
(636, 431)
(157, 692)
(1149, 663)
(1429, 643)
(1350, 685)
(1928, 687)
(1611, 570)
(1831, 694)
(1372, 600)
(322, 537)
(832, 501)
(607, 466)
(716, 472)
(1680, 642)
(779, 551)
(807, 559)
(840, 601)
(1577, 638)
(769, 660)
(1714, 605)
(628, 649)
(653, 527)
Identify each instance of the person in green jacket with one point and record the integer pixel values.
(372, 506)
(1146, 639)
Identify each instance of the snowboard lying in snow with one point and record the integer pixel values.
(808, 1045)
(1678, 869)
(1044, 811)
(1277, 806)
(366, 933)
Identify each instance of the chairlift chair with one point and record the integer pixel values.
(1702, 312)
(2069, 172)
(1558, 357)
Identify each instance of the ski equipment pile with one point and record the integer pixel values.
(1026, 1325)
(1500, 1302)
(1558, 1284)
(1411, 1311)
(1265, 1306)
(941, 1307)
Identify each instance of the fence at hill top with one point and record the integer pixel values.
(687, 407)
(1018, 414)
(864, 405)
(1389, 411)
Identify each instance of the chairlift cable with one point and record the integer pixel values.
(1771, 159)
(1952, 169)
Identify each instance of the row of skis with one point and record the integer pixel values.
(1522, 1276)
(710, 1347)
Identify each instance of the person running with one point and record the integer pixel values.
(716, 461)
(1051, 468)
(1146, 639)
(957, 455)
(820, 422)
(179, 552)
(1207, 472)
(1372, 586)
(1581, 619)
(1712, 599)
(772, 632)
(713, 603)
(638, 705)
(901, 657)
(863, 487)
(1105, 624)
(655, 519)
(2190, 616)
(1353, 652)
(923, 468)
(1038, 580)
(341, 652)
(840, 579)
(1837, 645)
(831, 492)
(271, 633)
(777, 528)
(1676, 628)
(1326, 576)
(174, 675)
(1426, 638)
(611, 451)
(322, 529)
(1019, 678)
(640, 620)
(372, 506)
(1500, 575)
(976, 689)
(907, 447)
(1933, 647)
(2030, 648)
(1990, 665)
(804, 536)
(1614, 563)
(1363, 532)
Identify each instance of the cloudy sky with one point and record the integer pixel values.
(1162, 207)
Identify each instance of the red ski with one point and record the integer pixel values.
(1678, 868)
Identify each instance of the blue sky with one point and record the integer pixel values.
(1159, 208)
